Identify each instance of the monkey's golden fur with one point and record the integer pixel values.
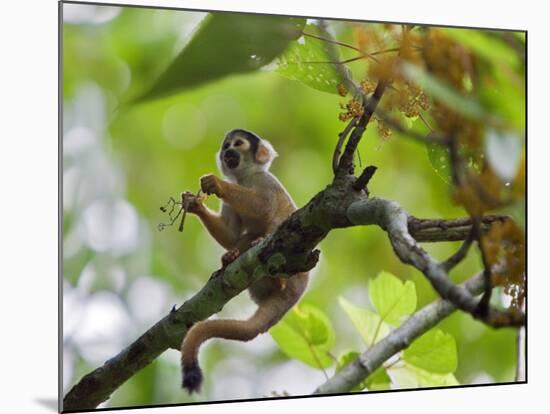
(254, 204)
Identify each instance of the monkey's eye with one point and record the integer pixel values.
(238, 143)
(225, 146)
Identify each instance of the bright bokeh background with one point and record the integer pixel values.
(121, 164)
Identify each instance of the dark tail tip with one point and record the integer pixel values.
(192, 378)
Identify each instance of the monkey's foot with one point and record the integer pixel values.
(258, 240)
(230, 256)
(192, 378)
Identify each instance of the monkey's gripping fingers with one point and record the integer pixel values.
(191, 202)
(230, 256)
(210, 184)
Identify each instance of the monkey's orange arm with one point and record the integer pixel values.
(218, 228)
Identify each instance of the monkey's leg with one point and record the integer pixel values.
(243, 244)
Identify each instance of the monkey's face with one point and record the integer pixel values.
(243, 152)
(234, 150)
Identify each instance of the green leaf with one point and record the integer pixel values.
(435, 352)
(307, 335)
(297, 63)
(483, 44)
(440, 159)
(345, 359)
(224, 44)
(393, 299)
(410, 376)
(443, 92)
(378, 380)
(369, 325)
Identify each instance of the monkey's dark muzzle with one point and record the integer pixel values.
(231, 158)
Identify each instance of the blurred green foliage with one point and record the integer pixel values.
(146, 152)
(225, 44)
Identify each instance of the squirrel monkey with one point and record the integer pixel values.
(254, 204)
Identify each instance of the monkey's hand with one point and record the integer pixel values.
(211, 184)
(192, 203)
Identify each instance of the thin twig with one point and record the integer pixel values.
(431, 138)
(333, 41)
(346, 161)
(455, 160)
(334, 56)
(460, 254)
(380, 52)
(185, 207)
(341, 139)
(338, 62)
(425, 122)
(483, 306)
(171, 203)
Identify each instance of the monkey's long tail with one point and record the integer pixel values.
(267, 314)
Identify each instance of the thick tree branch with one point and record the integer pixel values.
(392, 218)
(431, 138)
(289, 250)
(437, 230)
(399, 339)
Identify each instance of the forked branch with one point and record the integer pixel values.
(394, 220)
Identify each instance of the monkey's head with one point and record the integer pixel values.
(244, 153)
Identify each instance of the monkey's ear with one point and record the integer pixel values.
(265, 153)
